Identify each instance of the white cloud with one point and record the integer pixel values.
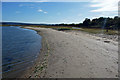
(45, 12)
(27, 5)
(104, 5)
(40, 10)
(42, 1)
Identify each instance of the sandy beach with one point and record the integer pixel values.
(74, 55)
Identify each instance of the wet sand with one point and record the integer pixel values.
(75, 55)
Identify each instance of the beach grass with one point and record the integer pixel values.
(99, 31)
(89, 30)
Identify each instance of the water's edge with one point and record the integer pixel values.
(40, 59)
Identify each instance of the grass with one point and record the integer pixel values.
(99, 31)
(62, 28)
(89, 30)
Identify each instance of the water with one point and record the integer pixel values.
(75, 28)
(20, 47)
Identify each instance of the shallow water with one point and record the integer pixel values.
(20, 48)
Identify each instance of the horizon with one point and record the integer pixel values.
(49, 23)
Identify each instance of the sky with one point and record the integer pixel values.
(48, 12)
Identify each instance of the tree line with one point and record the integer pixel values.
(101, 22)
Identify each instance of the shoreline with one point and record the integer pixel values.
(32, 72)
(66, 58)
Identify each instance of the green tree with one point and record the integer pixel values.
(86, 22)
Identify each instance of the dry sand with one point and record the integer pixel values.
(77, 55)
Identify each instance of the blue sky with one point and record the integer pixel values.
(55, 12)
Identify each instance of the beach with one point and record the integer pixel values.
(71, 54)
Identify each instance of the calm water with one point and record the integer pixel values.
(20, 48)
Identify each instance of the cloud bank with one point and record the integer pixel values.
(104, 5)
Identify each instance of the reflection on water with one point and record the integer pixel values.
(20, 48)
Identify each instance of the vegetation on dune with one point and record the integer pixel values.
(106, 23)
(97, 25)
(99, 31)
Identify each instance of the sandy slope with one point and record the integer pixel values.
(79, 55)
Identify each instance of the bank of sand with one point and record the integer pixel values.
(75, 55)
